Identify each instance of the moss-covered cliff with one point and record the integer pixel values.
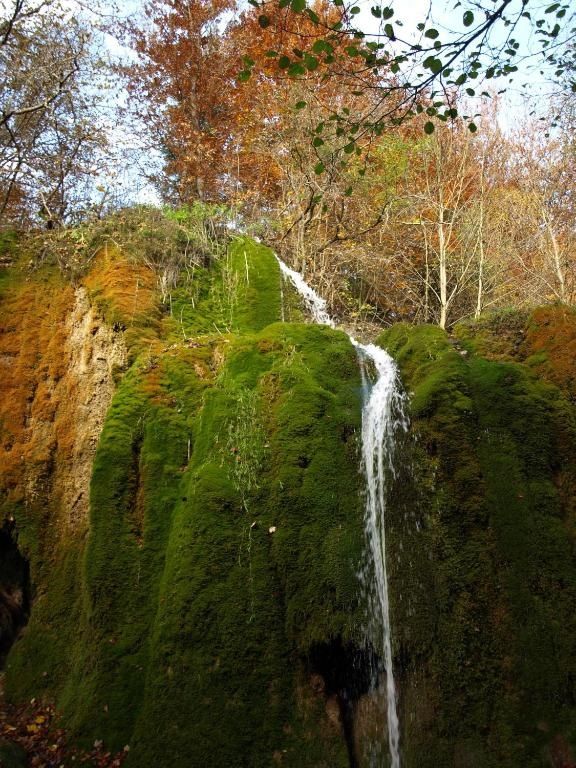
(180, 468)
(224, 529)
(485, 587)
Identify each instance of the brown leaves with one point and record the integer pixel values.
(33, 727)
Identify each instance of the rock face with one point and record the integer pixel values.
(224, 530)
(485, 586)
(183, 478)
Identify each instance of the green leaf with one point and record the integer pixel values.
(431, 33)
(472, 127)
(300, 105)
(271, 54)
(264, 21)
(318, 142)
(244, 75)
(429, 128)
(283, 62)
(377, 12)
(433, 63)
(296, 69)
(349, 148)
(319, 168)
(355, 10)
(298, 5)
(387, 13)
(310, 62)
(322, 46)
(313, 16)
(468, 18)
(389, 31)
(348, 191)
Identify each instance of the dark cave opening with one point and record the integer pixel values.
(14, 590)
(348, 673)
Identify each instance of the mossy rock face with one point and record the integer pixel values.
(196, 613)
(224, 543)
(486, 643)
(12, 756)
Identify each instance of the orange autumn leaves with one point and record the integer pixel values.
(221, 138)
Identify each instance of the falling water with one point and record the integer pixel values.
(382, 416)
(315, 304)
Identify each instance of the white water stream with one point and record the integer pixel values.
(382, 415)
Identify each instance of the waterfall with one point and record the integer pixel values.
(382, 416)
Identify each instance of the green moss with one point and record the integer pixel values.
(241, 603)
(224, 542)
(226, 536)
(501, 570)
(12, 755)
(238, 293)
(257, 276)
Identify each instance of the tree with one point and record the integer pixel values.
(485, 45)
(181, 87)
(49, 129)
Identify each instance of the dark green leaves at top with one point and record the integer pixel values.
(468, 19)
(433, 63)
(431, 33)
